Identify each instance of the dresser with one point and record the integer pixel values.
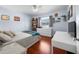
(45, 31)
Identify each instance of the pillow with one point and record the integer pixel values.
(4, 38)
(35, 33)
(1, 31)
(12, 33)
(8, 33)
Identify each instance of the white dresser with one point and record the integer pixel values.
(48, 31)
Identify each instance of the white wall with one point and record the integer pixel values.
(77, 20)
(58, 26)
(62, 25)
(23, 25)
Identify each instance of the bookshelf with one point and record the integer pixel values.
(34, 24)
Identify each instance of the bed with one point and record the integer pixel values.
(24, 39)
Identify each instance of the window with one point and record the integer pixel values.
(44, 22)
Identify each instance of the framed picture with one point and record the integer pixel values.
(16, 18)
(4, 17)
(56, 14)
(70, 12)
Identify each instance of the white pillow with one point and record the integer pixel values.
(1, 31)
(13, 33)
(8, 33)
(5, 37)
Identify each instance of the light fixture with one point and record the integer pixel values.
(35, 8)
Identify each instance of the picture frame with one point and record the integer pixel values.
(4, 17)
(56, 14)
(70, 12)
(16, 18)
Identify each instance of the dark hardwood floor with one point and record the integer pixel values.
(58, 51)
(41, 47)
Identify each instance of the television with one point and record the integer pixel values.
(72, 28)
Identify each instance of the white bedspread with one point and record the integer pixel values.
(19, 36)
(18, 44)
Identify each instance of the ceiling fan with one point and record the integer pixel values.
(35, 8)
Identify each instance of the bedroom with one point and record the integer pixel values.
(32, 22)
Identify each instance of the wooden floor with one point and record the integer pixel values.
(41, 47)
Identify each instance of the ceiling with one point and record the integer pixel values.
(44, 9)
